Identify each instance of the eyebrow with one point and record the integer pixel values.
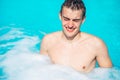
(66, 17)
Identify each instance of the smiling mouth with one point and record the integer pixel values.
(70, 29)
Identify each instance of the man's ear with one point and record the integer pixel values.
(83, 20)
(60, 16)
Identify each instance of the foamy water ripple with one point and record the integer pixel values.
(20, 60)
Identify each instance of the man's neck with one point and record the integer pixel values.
(71, 39)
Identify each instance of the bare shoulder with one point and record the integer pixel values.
(49, 38)
(48, 41)
(100, 50)
(94, 40)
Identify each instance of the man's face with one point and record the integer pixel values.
(71, 21)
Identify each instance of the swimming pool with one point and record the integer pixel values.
(23, 25)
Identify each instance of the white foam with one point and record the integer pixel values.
(38, 67)
(24, 62)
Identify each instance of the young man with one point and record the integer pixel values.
(71, 47)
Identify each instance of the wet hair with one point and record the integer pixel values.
(74, 5)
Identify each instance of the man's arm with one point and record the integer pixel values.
(44, 45)
(102, 56)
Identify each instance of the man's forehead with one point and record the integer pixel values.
(73, 14)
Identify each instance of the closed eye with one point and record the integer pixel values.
(65, 18)
(76, 20)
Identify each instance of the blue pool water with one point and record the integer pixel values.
(24, 23)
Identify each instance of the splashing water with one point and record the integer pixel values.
(20, 60)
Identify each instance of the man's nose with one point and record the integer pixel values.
(71, 23)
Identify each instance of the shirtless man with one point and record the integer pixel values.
(71, 47)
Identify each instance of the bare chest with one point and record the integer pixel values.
(77, 56)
